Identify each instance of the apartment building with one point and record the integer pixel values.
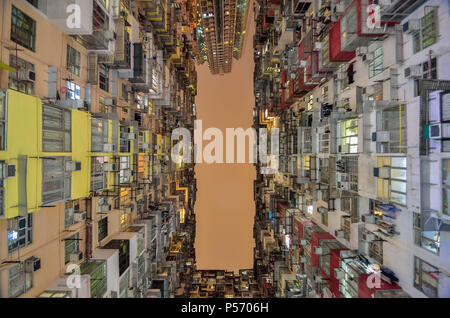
(358, 206)
(221, 32)
(91, 203)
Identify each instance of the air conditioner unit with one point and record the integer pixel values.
(131, 292)
(302, 63)
(317, 46)
(368, 237)
(32, 264)
(114, 294)
(109, 167)
(132, 136)
(439, 131)
(108, 102)
(339, 233)
(369, 57)
(339, 8)
(368, 218)
(109, 148)
(127, 173)
(321, 250)
(362, 50)
(27, 75)
(339, 273)
(369, 90)
(382, 172)
(303, 259)
(104, 208)
(303, 242)
(109, 35)
(79, 216)
(157, 147)
(9, 170)
(411, 26)
(73, 166)
(414, 71)
(341, 75)
(128, 210)
(76, 257)
(320, 100)
(382, 136)
(344, 185)
(145, 146)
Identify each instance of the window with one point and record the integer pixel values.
(125, 92)
(104, 77)
(102, 229)
(324, 217)
(3, 119)
(141, 167)
(426, 278)
(376, 65)
(446, 186)
(71, 246)
(430, 239)
(124, 142)
(2, 189)
(98, 175)
(19, 281)
(73, 61)
(324, 93)
(56, 129)
(69, 210)
(376, 251)
(345, 226)
(55, 180)
(428, 73)
(26, 87)
(99, 134)
(23, 29)
(20, 233)
(73, 91)
(348, 136)
(105, 4)
(125, 169)
(428, 31)
(392, 120)
(393, 189)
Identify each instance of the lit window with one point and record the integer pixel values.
(20, 233)
(73, 91)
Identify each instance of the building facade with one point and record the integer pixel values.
(91, 203)
(359, 91)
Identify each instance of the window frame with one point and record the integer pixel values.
(97, 171)
(418, 275)
(27, 22)
(27, 280)
(376, 65)
(418, 37)
(73, 91)
(73, 61)
(26, 236)
(3, 123)
(102, 229)
(103, 77)
(63, 120)
(71, 245)
(65, 178)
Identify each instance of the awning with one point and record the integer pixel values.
(4, 66)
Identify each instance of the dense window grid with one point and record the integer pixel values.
(71, 246)
(428, 31)
(23, 29)
(102, 229)
(24, 86)
(56, 129)
(376, 65)
(73, 61)
(56, 182)
(20, 233)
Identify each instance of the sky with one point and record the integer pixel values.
(224, 207)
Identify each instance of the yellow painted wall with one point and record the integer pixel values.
(81, 144)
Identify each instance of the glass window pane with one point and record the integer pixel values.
(398, 186)
(398, 174)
